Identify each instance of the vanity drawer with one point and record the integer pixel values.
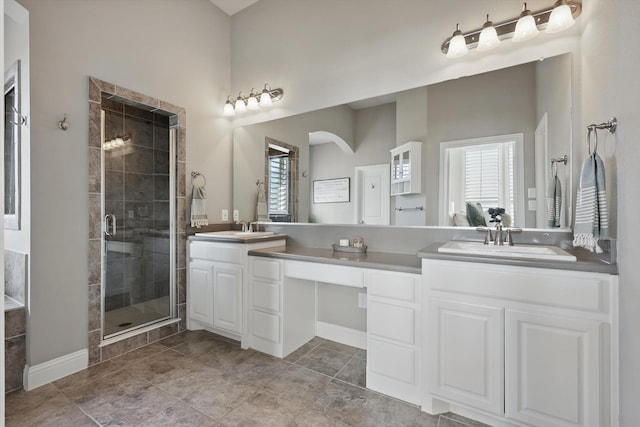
(325, 273)
(266, 326)
(230, 253)
(392, 322)
(267, 269)
(397, 286)
(559, 288)
(266, 296)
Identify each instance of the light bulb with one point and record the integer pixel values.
(457, 45)
(526, 27)
(488, 37)
(252, 102)
(241, 107)
(560, 18)
(228, 108)
(265, 98)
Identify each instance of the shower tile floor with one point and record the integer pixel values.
(121, 319)
(201, 379)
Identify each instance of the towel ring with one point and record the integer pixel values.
(595, 135)
(194, 176)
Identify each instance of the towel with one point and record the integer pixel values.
(554, 202)
(592, 222)
(199, 207)
(262, 213)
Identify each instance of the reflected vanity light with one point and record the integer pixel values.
(253, 102)
(117, 142)
(551, 19)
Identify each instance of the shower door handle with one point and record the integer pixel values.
(110, 221)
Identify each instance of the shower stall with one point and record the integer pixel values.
(138, 212)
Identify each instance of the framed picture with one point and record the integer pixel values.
(331, 190)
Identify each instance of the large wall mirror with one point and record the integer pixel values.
(13, 121)
(490, 140)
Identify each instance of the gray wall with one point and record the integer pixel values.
(497, 103)
(611, 87)
(175, 53)
(248, 153)
(374, 137)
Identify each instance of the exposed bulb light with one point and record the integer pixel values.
(265, 97)
(488, 37)
(561, 18)
(457, 45)
(241, 107)
(526, 27)
(252, 101)
(228, 108)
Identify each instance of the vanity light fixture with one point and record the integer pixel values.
(457, 45)
(561, 17)
(488, 37)
(241, 106)
(551, 19)
(526, 27)
(253, 102)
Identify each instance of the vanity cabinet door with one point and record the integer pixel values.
(465, 354)
(227, 297)
(200, 301)
(552, 370)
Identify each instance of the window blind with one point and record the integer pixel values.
(279, 184)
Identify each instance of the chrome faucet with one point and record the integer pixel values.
(488, 238)
(498, 240)
(244, 225)
(253, 226)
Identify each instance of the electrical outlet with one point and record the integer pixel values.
(362, 300)
(533, 205)
(225, 215)
(531, 193)
(236, 215)
(131, 214)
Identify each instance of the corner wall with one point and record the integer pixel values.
(611, 87)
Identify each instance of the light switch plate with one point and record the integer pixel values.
(531, 193)
(532, 205)
(225, 215)
(236, 215)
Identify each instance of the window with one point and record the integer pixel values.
(13, 121)
(482, 170)
(279, 183)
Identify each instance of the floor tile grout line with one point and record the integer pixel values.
(345, 365)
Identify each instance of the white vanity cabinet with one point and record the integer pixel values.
(393, 334)
(216, 286)
(532, 346)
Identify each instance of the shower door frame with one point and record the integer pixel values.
(172, 235)
(101, 349)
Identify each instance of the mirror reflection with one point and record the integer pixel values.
(461, 147)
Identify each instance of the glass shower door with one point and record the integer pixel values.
(138, 212)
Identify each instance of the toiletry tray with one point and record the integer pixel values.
(352, 249)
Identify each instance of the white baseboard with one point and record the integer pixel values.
(348, 336)
(44, 373)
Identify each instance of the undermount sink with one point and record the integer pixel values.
(233, 234)
(531, 252)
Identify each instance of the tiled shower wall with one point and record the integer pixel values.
(141, 119)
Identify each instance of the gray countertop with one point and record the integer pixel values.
(586, 261)
(228, 239)
(377, 260)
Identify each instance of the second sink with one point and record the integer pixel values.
(532, 252)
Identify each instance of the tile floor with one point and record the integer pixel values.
(201, 379)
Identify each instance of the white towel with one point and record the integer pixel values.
(199, 207)
(554, 202)
(592, 221)
(262, 213)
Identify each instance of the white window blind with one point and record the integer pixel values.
(279, 184)
(489, 175)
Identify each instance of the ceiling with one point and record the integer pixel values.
(231, 7)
